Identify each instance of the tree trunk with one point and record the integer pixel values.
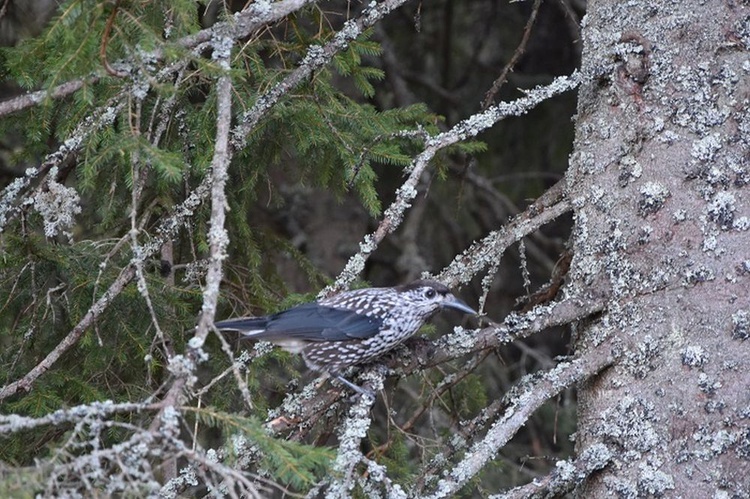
(659, 182)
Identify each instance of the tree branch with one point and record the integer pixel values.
(566, 476)
(465, 129)
(515, 326)
(353, 430)
(243, 23)
(317, 57)
(15, 104)
(482, 254)
(24, 384)
(217, 235)
(492, 92)
(12, 423)
(531, 393)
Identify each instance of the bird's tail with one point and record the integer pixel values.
(248, 327)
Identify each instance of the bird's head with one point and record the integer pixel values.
(430, 296)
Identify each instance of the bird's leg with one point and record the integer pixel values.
(362, 391)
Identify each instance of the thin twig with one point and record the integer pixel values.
(105, 42)
(317, 57)
(492, 92)
(549, 206)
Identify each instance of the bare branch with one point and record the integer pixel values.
(492, 92)
(217, 235)
(29, 99)
(515, 326)
(244, 23)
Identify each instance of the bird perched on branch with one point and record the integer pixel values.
(352, 327)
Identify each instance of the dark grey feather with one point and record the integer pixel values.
(307, 322)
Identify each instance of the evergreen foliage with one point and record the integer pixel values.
(134, 143)
(160, 144)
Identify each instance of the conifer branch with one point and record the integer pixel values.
(244, 23)
(167, 229)
(24, 384)
(317, 57)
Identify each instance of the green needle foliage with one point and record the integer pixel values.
(133, 143)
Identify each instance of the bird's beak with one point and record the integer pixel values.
(456, 304)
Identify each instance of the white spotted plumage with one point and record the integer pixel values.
(352, 327)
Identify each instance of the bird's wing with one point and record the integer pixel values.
(315, 322)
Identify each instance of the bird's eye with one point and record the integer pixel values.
(430, 293)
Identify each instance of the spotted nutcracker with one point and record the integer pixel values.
(352, 327)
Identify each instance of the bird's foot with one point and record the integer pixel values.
(362, 391)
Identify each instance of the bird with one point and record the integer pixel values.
(352, 327)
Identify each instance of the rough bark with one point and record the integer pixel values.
(658, 182)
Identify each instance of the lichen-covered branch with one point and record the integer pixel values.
(463, 130)
(317, 57)
(103, 116)
(217, 236)
(527, 397)
(548, 207)
(12, 423)
(565, 477)
(184, 371)
(515, 326)
(353, 430)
